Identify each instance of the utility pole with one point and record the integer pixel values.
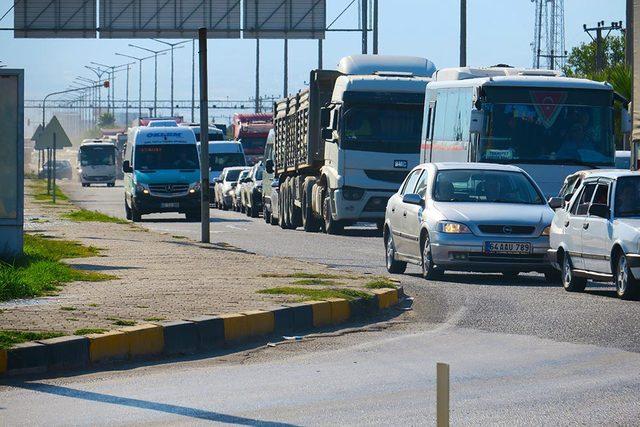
(375, 27)
(193, 80)
(139, 77)
(319, 54)
(99, 73)
(156, 53)
(599, 40)
(257, 75)
(463, 33)
(365, 24)
(204, 138)
(172, 47)
(628, 35)
(285, 90)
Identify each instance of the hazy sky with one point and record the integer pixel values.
(500, 31)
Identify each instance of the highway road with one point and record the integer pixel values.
(521, 352)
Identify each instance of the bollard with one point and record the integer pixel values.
(442, 395)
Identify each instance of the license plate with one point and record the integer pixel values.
(169, 205)
(510, 248)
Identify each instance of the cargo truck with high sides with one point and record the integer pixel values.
(343, 145)
(539, 120)
(97, 162)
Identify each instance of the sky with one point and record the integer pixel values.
(499, 31)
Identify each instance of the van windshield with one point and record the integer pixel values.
(97, 156)
(384, 128)
(166, 156)
(232, 175)
(219, 161)
(627, 201)
(485, 186)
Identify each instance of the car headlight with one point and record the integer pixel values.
(453, 228)
(142, 188)
(546, 231)
(352, 193)
(195, 187)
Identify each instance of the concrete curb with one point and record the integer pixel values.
(188, 336)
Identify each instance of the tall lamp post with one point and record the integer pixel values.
(99, 73)
(172, 46)
(93, 94)
(156, 53)
(139, 77)
(114, 69)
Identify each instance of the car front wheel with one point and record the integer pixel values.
(626, 285)
(429, 270)
(393, 266)
(570, 282)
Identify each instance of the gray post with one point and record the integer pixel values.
(285, 91)
(628, 34)
(126, 101)
(320, 54)
(375, 27)
(54, 167)
(257, 106)
(49, 171)
(463, 33)
(442, 395)
(193, 80)
(171, 81)
(204, 137)
(140, 88)
(365, 24)
(155, 87)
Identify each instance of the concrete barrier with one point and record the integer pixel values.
(321, 313)
(210, 331)
(112, 345)
(3, 361)
(27, 358)
(340, 310)
(144, 340)
(236, 327)
(302, 316)
(180, 337)
(386, 297)
(67, 352)
(260, 322)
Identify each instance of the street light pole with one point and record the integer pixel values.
(139, 77)
(172, 45)
(99, 73)
(156, 53)
(114, 69)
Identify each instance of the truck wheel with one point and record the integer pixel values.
(331, 226)
(309, 222)
(127, 210)
(282, 203)
(273, 220)
(253, 211)
(393, 266)
(570, 282)
(266, 215)
(626, 284)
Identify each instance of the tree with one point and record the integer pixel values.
(106, 120)
(582, 59)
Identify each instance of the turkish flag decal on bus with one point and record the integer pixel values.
(548, 105)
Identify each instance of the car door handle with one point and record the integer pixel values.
(566, 223)
(393, 209)
(405, 213)
(585, 225)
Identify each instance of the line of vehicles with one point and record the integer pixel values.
(454, 166)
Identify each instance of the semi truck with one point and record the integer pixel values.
(252, 131)
(343, 145)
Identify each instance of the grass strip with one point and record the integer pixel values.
(84, 215)
(39, 271)
(10, 338)
(301, 275)
(89, 331)
(317, 282)
(314, 294)
(39, 191)
(380, 283)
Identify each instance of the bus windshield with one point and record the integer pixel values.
(166, 156)
(383, 128)
(548, 126)
(97, 156)
(219, 161)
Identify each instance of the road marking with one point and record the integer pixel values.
(236, 228)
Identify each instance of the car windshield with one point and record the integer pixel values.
(232, 175)
(97, 156)
(485, 186)
(166, 156)
(219, 161)
(548, 127)
(383, 128)
(627, 201)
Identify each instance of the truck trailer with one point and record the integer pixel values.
(344, 145)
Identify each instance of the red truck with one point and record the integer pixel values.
(252, 131)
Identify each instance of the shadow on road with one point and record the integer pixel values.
(493, 280)
(145, 404)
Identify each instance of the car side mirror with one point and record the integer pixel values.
(556, 202)
(126, 167)
(327, 134)
(567, 197)
(413, 199)
(268, 166)
(599, 210)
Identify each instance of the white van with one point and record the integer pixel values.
(224, 154)
(97, 162)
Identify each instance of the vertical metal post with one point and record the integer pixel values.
(375, 27)
(171, 80)
(193, 80)
(365, 24)
(257, 106)
(139, 88)
(628, 34)
(126, 101)
(204, 137)
(442, 395)
(48, 170)
(54, 167)
(285, 90)
(599, 48)
(320, 54)
(155, 87)
(463, 33)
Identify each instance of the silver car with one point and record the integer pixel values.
(469, 217)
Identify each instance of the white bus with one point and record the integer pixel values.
(549, 125)
(97, 162)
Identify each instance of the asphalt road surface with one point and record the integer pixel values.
(521, 351)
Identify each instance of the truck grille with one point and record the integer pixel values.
(507, 229)
(168, 189)
(388, 176)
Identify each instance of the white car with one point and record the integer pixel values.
(597, 235)
(470, 217)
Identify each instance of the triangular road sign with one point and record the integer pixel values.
(46, 139)
(37, 133)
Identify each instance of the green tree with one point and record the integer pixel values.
(106, 120)
(582, 59)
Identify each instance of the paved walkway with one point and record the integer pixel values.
(160, 277)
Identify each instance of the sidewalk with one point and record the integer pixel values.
(159, 277)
